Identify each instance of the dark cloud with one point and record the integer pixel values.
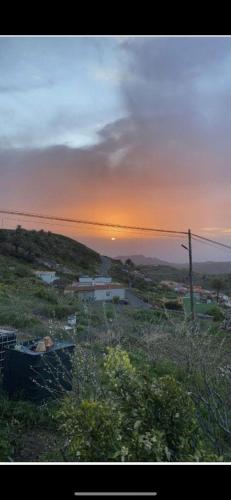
(167, 159)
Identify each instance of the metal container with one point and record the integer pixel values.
(38, 376)
(7, 339)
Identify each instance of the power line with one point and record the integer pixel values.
(212, 241)
(212, 245)
(94, 223)
(110, 225)
(107, 230)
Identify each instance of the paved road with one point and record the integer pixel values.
(105, 265)
(135, 301)
(132, 299)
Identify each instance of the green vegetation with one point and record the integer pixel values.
(138, 417)
(48, 249)
(147, 384)
(210, 309)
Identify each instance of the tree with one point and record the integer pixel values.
(17, 239)
(129, 264)
(217, 284)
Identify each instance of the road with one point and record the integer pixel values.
(132, 299)
(105, 265)
(135, 301)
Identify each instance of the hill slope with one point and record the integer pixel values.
(46, 249)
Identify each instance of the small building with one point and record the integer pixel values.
(71, 320)
(97, 292)
(102, 279)
(93, 280)
(85, 279)
(47, 276)
(181, 289)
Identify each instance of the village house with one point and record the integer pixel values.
(98, 288)
(47, 276)
(95, 280)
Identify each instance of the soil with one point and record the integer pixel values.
(35, 444)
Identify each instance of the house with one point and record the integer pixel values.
(71, 320)
(181, 289)
(47, 276)
(94, 280)
(97, 291)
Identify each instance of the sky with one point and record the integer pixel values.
(127, 130)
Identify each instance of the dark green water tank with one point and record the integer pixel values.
(38, 376)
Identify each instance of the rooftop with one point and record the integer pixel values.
(88, 288)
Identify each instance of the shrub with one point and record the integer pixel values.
(92, 430)
(17, 319)
(48, 295)
(216, 313)
(116, 300)
(140, 418)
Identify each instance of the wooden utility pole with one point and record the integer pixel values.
(190, 274)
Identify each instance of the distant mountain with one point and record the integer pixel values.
(207, 267)
(141, 260)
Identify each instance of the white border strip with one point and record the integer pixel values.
(115, 494)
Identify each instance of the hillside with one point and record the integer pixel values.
(49, 250)
(25, 302)
(207, 267)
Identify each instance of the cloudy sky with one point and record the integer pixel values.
(127, 130)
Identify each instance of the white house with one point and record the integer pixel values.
(102, 279)
(47, 276)
(94, 280)
(97, 292)
(85, 279)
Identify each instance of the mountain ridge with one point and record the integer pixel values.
(206, 267)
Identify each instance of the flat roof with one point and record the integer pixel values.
(45, 272)
(88, 288)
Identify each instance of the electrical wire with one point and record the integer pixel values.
(79, 221)
(212, 241)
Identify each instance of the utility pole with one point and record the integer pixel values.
(190, 274)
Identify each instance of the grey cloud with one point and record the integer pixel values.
(165, 137)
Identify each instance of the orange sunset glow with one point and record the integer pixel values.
(134, 133)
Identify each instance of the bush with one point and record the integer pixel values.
(116, 300)
(48, 295)
(17, 417)
(6, 448)
(140, 418)
(93, 430)
(18, 319)
(216, 313)
(174, 305)
(149, 315)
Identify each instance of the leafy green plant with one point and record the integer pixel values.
(216, 313)
(140, 418)
(92, 430)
